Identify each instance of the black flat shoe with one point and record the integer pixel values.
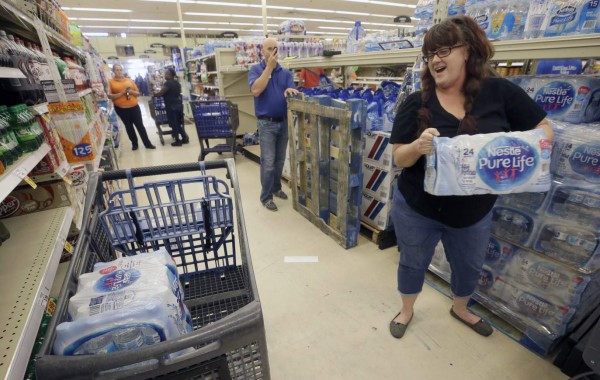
(481, 327)
(176, 143)
(150, 147)
(398, 329)
(185, 141)
(135, 147)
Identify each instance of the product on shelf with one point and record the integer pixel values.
(26, 200)
(571, 98)
(24, 124)
(356, 39)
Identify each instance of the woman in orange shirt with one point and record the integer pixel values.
(123, 92)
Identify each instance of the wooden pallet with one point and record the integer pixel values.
(325, 148)
(384, 239)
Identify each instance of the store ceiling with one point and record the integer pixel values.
(332, 17)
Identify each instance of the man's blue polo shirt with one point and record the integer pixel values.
(271, 102)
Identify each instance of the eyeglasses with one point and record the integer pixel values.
(441, 52)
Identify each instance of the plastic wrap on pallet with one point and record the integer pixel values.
(576, 152)
(540, 296)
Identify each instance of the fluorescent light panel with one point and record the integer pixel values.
(96, 9)
(95, 34)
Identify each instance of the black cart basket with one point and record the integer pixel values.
(193, 219)
(216, 119)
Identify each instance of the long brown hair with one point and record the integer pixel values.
(459, 30)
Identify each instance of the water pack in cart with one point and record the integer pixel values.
(494, 163)
(138, 298)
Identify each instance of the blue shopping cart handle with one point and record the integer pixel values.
(164, 169)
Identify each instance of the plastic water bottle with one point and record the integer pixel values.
(518, 9)
(538, 12)
(416, 73)
(129, 339)
(356, 39)
(375, 115)
(100, 345)
(388, 113)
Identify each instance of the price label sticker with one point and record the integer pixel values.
(21, 173)
(68, 247)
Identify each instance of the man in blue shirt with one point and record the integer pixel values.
(271, 84)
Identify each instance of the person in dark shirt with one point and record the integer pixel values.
(457, 97)
(171, 93)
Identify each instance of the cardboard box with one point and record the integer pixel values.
(379, 181)
(378, 150)
(376, 212)
(27, 200)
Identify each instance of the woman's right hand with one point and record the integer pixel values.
(425, 141)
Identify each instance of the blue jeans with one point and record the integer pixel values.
(273, 139)
(417, 237)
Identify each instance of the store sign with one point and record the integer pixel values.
(169, 35)
(144, 56)
(228, 35)
(157, 45)
(150, 51)
(112, 57)
(402, 19)
(52, 95)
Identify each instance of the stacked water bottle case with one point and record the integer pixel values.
(542, 267)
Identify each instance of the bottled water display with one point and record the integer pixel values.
(356, 39)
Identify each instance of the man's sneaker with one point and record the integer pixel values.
(280, 194)
(270, 205)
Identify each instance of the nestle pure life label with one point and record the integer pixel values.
(495, 163)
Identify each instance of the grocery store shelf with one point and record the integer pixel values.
(84, 92)
(15, 16)
(17, 171)
(234, 69)
(10, 73)
(28, 263)
(581, 46)
(60, 172)
(202, 58)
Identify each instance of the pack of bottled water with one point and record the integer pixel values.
(576, 153)
(548, 318)
(496, 163)
(125, 304)
(514, 225)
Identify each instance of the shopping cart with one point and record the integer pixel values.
(193, 218)
(216, 119)
(158, 113)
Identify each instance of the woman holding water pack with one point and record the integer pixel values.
(458, 97)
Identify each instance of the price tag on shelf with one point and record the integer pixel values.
(21, 173)
(68, 247)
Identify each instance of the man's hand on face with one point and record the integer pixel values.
(272, 62)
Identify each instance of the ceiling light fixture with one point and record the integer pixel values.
(96, 9)
(95, 34)
(382, 3)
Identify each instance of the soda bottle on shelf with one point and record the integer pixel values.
(27, 138)
(12, 150)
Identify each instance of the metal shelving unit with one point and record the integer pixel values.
(17, 171)
(28, 263)
(542, 48)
